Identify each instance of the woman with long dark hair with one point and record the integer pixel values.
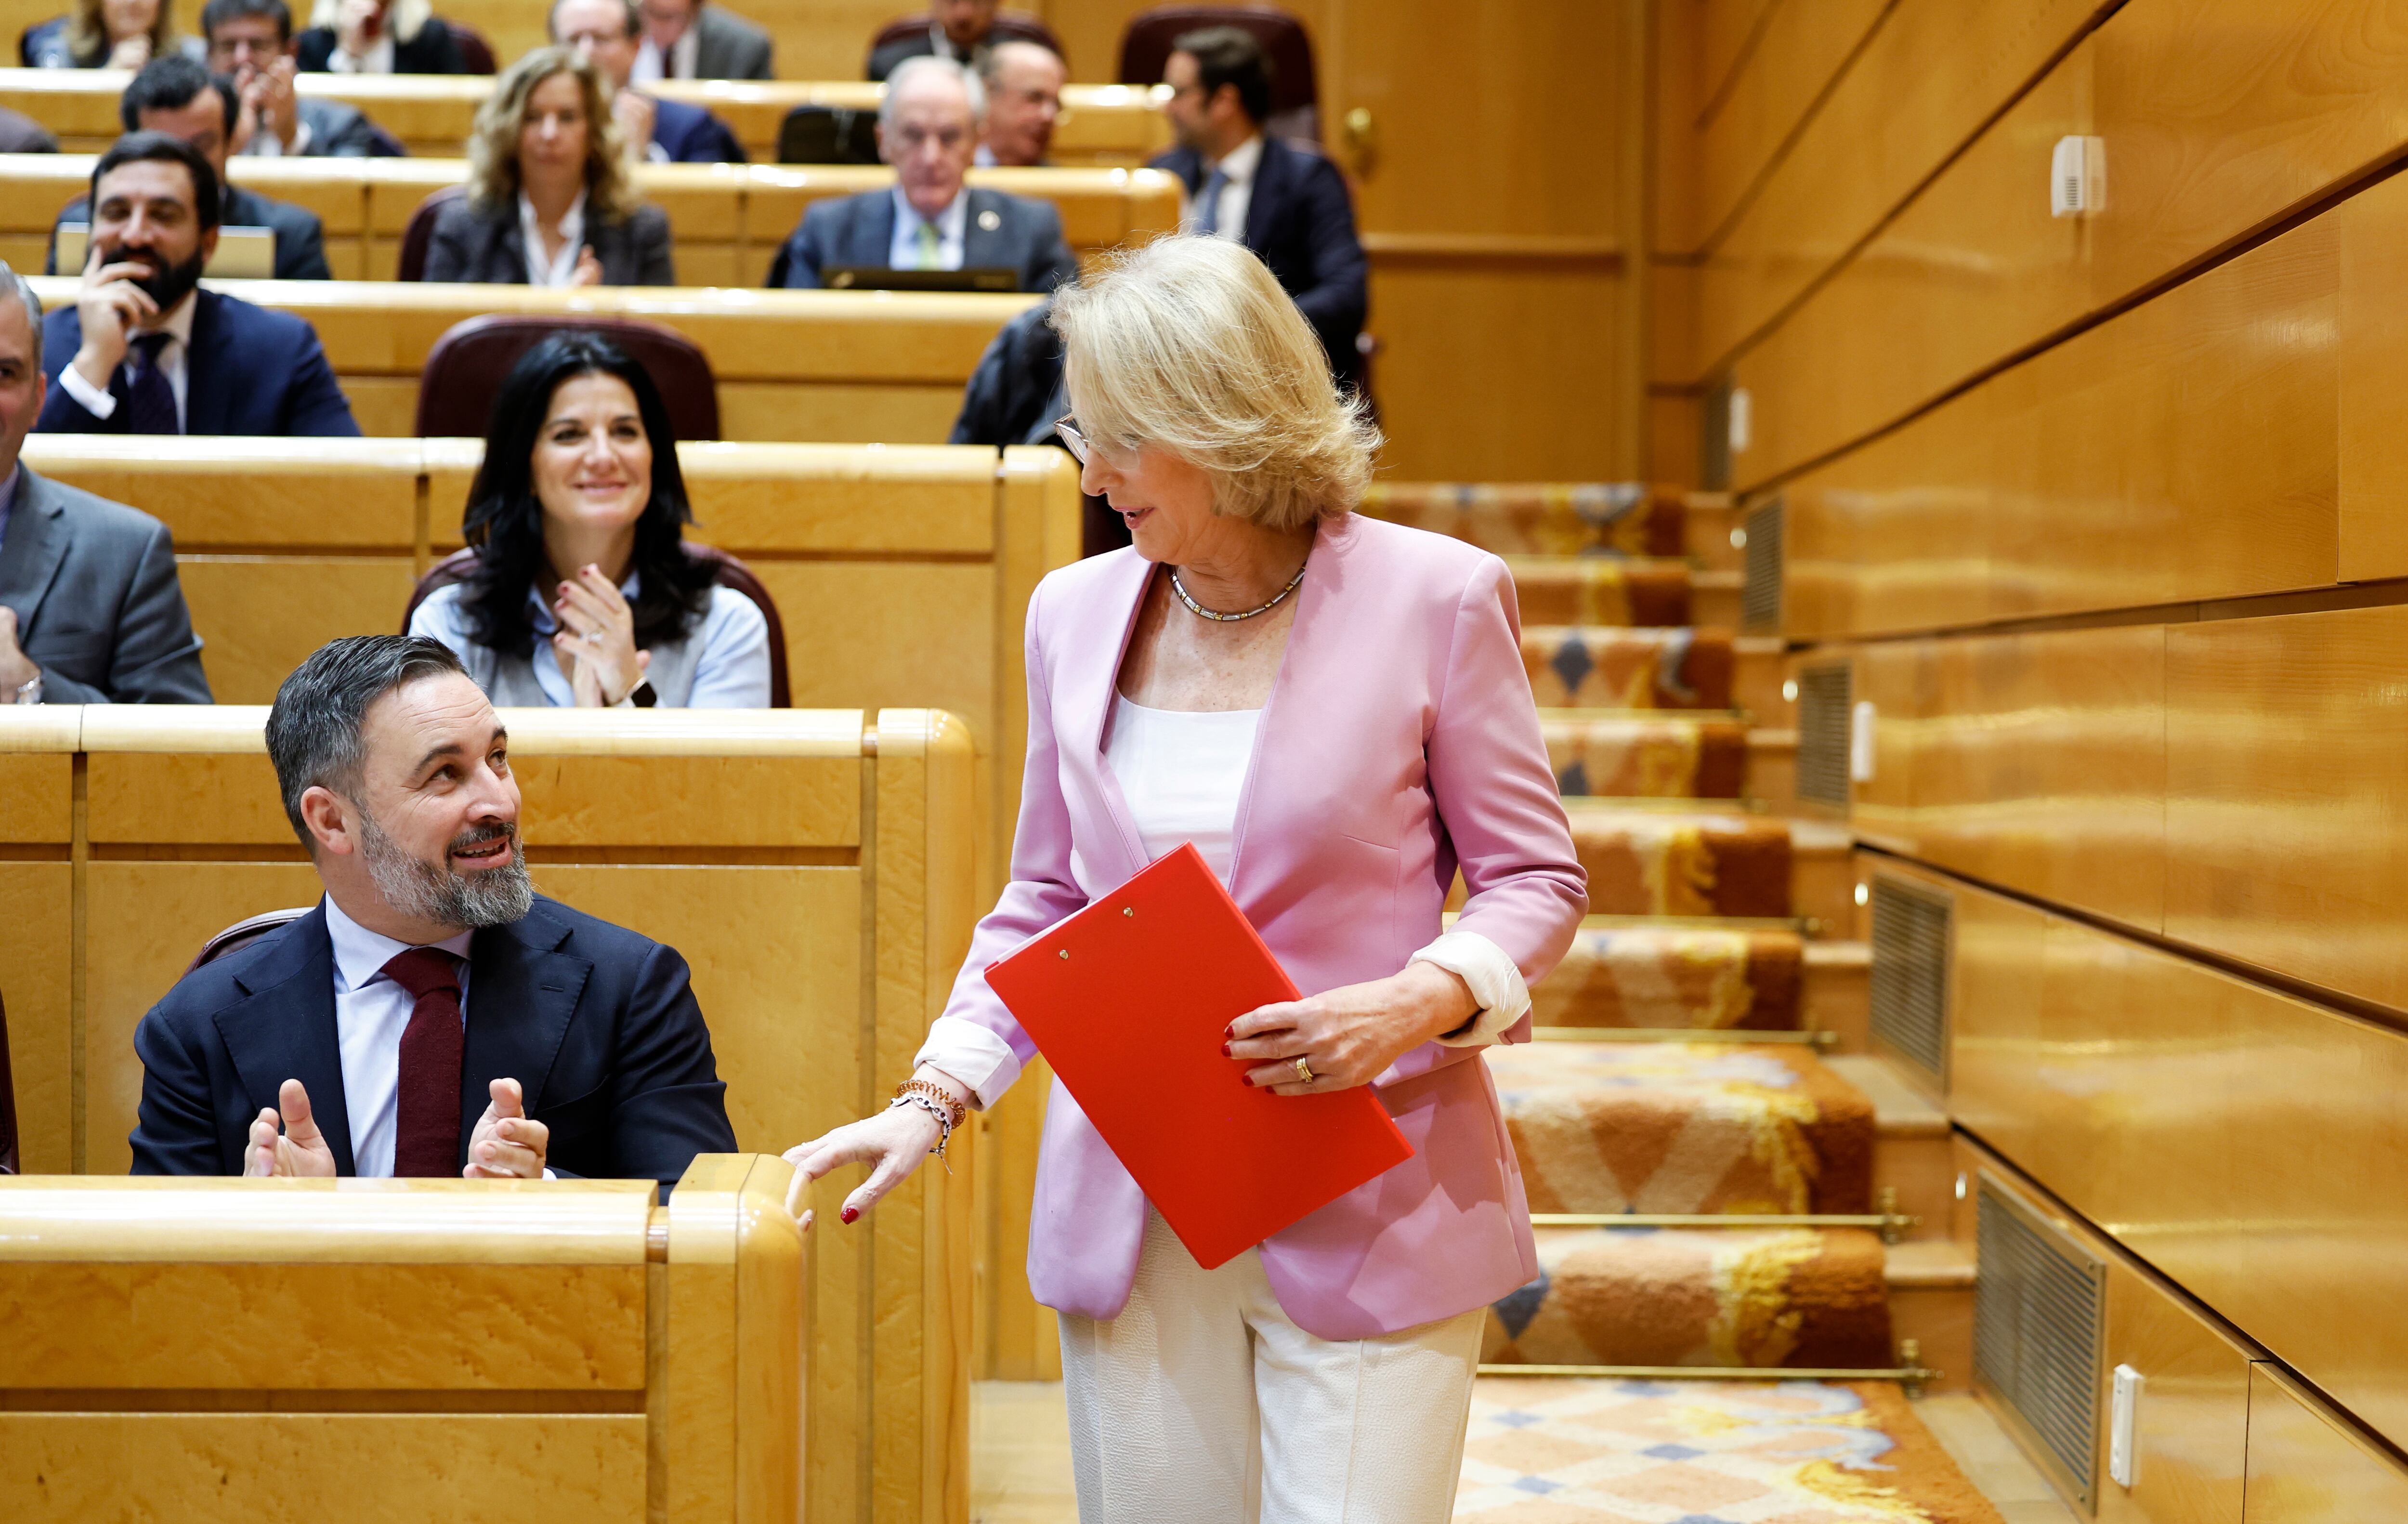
(584, 594)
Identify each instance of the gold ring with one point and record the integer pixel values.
(1303, 1072)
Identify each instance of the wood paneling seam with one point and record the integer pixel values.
(866, 1252)
(2333, 1002)
(2328, 198)
(79, 857)
(1740, 60)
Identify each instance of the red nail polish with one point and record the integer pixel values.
(1225, 1050)
(847, 1215)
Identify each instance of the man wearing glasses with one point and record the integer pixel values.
(928, 129)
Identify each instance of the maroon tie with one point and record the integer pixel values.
(426, 1143)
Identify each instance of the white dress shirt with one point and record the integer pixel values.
(264, 144)
(1180, 774)
(952, 224)
(1229, 216)
(561, 268)
(173, 364)
(378, 59)
(683, 54)
(371, 1012)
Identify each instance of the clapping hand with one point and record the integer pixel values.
(16, 668)
(508, 1145)
(589, 268)
(596, 642)
(299, 1149)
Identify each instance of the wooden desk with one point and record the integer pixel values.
(210, 1350)
(792, 364)
(728, 219)
(814, 869)
(1107, 126)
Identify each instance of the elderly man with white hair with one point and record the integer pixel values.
(928, 124)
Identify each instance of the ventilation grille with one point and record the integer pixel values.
(1826, 696)
(1910, 971)
(2037, 1314)
(1759, 596)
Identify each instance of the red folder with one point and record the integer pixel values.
(1128, 999)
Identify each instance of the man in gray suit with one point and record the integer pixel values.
(90, 608)
(927, 129)
(686, 40)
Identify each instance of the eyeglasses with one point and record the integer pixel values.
(1068, 427)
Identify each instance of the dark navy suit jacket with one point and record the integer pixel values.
(1301, 220)
(690, 135)
(860, 230)
(599, 1025)
(248, 371)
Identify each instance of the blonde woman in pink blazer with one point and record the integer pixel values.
(1334, 711)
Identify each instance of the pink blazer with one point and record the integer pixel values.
(1400, 740)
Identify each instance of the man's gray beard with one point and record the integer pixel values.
(425, 892)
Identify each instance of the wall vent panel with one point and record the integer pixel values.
(1826, 702)
(1909, 978)
(1759, 599)
(2039, 1316)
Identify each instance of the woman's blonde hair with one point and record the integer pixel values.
(1189, 345)
(493, 142)
(87, 34)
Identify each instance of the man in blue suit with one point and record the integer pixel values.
(931, 219)
(1281, 199)
(146, 350)
(610, 32)
(432, 1017)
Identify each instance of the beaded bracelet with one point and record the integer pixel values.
(944, 1122)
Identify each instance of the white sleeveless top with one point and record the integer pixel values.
(1182, 773)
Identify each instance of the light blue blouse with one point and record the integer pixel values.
(723, 663)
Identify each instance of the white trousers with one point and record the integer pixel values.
(1202, 1402)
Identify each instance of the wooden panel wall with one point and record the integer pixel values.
(2102, 513)
(817, 869)
(2219, 119)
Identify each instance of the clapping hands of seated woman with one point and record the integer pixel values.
(507, 1144)
(596, 640)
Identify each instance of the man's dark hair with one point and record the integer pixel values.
(218, 12)
(170, 84)
(1230, 55)
(552, 17)
(313, 729)
(167, 147)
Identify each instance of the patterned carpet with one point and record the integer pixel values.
(1632, 1452)
(1579, 667)
(1647, 755)
(1685, 1127)
(1668, 863)
(1540, 518)
(1761, 1298)
(1674, 976)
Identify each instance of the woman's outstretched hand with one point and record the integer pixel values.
(1350, 1035)
(892, 1143)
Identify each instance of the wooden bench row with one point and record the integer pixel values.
(837, 366)
(728, 219)
(1100, 125)
(814, 869)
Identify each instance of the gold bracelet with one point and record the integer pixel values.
(955, 1110)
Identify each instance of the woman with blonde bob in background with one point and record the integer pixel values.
(1333, 709)
(551, 201)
